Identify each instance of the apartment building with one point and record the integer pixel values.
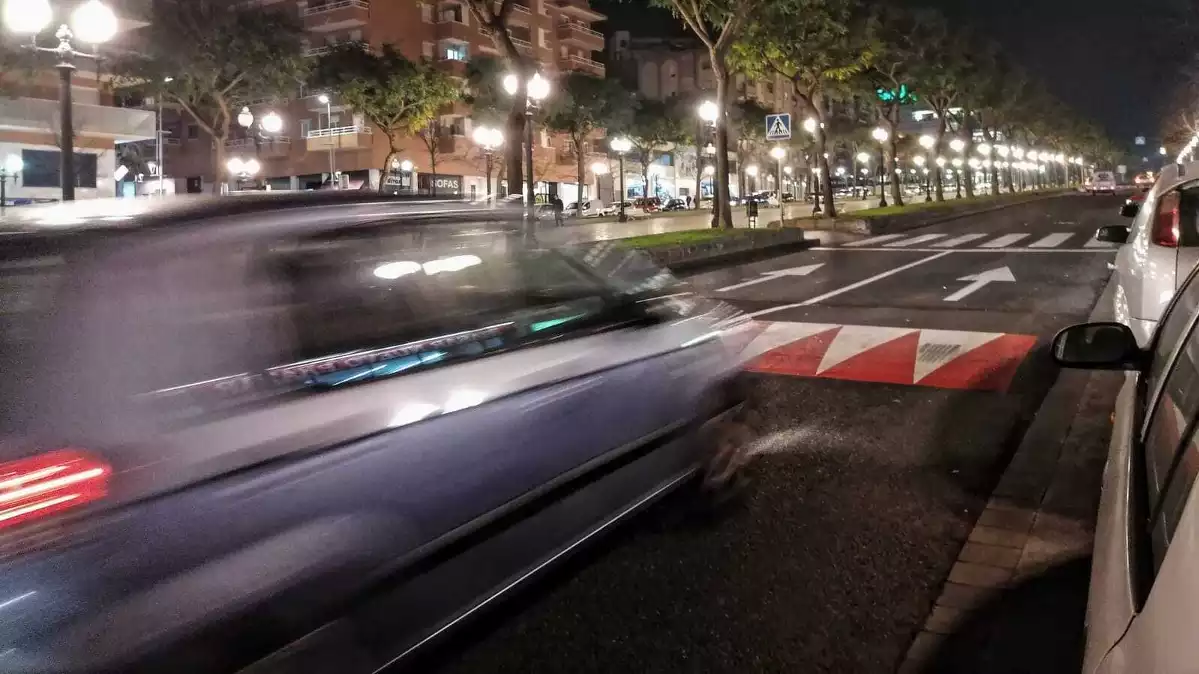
(321, 139)
(30, 124)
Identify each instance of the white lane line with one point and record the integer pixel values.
(1052, 241)
(1003, 242)
(1094, 249)
(873, 240)
(1094, 243)
(852, 286)
(923, 238)
(959, 240)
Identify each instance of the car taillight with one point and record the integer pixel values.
(1165, 224)
(49, 483)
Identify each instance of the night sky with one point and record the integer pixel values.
(1112, 60)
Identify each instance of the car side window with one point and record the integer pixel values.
(1175, 324)
(365, 306)
(1176, 407)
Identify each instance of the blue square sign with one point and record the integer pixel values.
(778, 126)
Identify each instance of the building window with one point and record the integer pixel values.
(426, 49)
(193, 131)
(456, 126)
(562, 50)
(543, 39)
(426, 13)
(452, 13)
(42, 169)
(305, 127)
(455, 51)
(541, 8)
(356, 35)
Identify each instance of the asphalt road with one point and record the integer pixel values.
(864, 489)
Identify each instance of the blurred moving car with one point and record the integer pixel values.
(1159, 248)
(1144, 592)
(1144, 179)
(322, 427)
(1102, 182)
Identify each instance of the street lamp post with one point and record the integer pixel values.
(958, 162)
(11, 168)
(93, 23)
(598, 169)
(921, 163)
(328, 103)
(268, 125)
(708, 114)
(881, 135)
(779, 154)
(621, 146)
(489, 139)
(536, 90)
(862, 158)
(927, 142)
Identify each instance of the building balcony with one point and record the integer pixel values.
(275, 146)
(455, 67)
(456, 30)
(327, 48)
(583, 64)
(579, 35)
(339, 138)
(335, 15)
(37, 115)
(579, 9)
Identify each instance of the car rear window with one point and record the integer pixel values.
(1104, 176)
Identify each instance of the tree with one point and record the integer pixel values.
(898, 43)
(717, 24)
(820, 46)
(652, 129)
(400, 97)
(493, 16)
(942, 79)
(210, 57)
(582, 105)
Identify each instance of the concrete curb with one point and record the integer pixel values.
(1040, 513)
(759, 243)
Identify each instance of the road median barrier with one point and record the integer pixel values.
(692, 249)
(895, 219)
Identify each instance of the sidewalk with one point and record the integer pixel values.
(577, 231)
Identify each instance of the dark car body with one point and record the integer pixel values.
(317, 428)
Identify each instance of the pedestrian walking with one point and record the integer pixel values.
(558, 207)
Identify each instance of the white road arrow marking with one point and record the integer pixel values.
(771, 275)
(979, 280)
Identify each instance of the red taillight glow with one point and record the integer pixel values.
(49, 483)
(1165, 224)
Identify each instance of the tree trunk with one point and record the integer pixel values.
(699, 172)
(826, 180)
(969, 152)
(391, 152)
(579, 165)
(433, 166)
(892, 164)
(219, 170)
(724, 215)
(515, 133)
(939, 181)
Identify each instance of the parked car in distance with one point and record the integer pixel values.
(675, 204)
(648, 204)
(592, 208)
(249, 434)
(1144, 592)
(1144, 179)
(1158, 249)
(1102, 182)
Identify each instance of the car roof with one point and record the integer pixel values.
(114, 215)
(1173, 175)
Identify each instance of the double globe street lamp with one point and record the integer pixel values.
(268, 125)
(93, 23)
(882, 136)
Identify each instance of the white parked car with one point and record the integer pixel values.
(1144, 593)
(1160, 248)
(1103, 181)
(592, 208)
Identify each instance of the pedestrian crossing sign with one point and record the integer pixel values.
(778, 126)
